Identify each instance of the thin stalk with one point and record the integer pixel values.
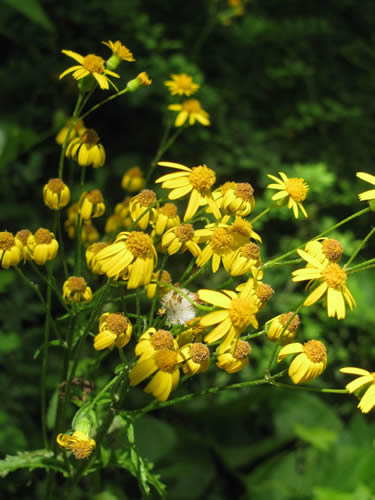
(265, 211)
(308, 388)
(43, 388)
(362, 244)
(101, 103)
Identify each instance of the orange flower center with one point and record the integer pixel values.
(166, 360)
(77, 284)
(334, 276)
(169, 210)
(162, 339)
(146, 198)
(332, 249)
(95, 196)
(139, 244)
(296, 188)
(242, 350)
(244, 191)
(241, 313)
(192, 106)
(82, 449)
(184, 232)
(294, 324)
(221, 240)
(90, 137)
(202, 178)
(199, 353)
(315, 351)
(250, 251)
(116, 323)
(55, 185)
(93, 63)
(6, 240)
(43, 236)
(264, 292)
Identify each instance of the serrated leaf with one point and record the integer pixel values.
(37, 459)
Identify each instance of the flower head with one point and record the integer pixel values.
(114, 330)
(293, 189)
(43, 246)
(119, 53)
(79, 443)
(75, 289)
(238, 198)
(324, 249)
(86, 149)
(364, 384)
(181, 84)
(370, 194)
(90, 65)
(194, 358)
(91, 257)
(141, 80)
(192, 111)
(192, 333)
(56, 194)
(197, 181)
(77, 129)
(245, 259)
(164, 381)
(219, 247)
(133, 180)
(22, 236)
(233, 357)
(132, 252)
(164, 218)
(279, 326)
(11, 250)
(181, 238)
(140, 207)
(310, 360)
(331, 280)
(152, 340)
(91, 204)
(237, 312)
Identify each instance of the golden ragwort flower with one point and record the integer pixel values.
(79, 443)
(364, 384)
(86, 149)
(332, 282)
(43, 246)
(77, 129)
(180, 239)
(293, 189)
(139, 208)
(165, 218)
(119, 53)
(197, 181)
(91, 257)
(193, 358)
(370, 194)
(233, 357)
(181, 84)
(91, 204)
(133, 180)
(75, 290)
(11, 250)
(276, 327)
(238, 198)
(56, 194)
(152, 340)
(324, 249)
(114, 330)
(310, 360)
(22, 236)
(192, 111)
(90, 65)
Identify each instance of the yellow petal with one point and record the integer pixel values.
(216, 298)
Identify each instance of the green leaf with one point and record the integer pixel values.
(33, 11)
(155, 438)
(320, 437)
(29, 460)
(9, 342)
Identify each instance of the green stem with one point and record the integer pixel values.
(50, 284)
(310, 389)
(363, 242)
(43, 387)
(195, 275)
(265, 211)
(156, 295)
(360, 268)
(101, 103)
(181, 292)
(61, 246)
(272, 262)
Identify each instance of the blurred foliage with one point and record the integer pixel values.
(289, 86)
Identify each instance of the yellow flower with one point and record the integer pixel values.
(192, 111)
(233, 357)
(43, 246)
(166, 378)
(77, 129)
(141, 80)
(56, 194)
(262, 291)
(86, 150)
(310, 360)
(139, 207)
(89, 233)
(242, 231)
(79, 443)
(91, 257)
(165, 218)
(197, 181)
(179, 239)
(152, 286)
(194, 358)
(119, 53)
(324, 249)
(245, 259)
(11, 250)
(91, 204)
(365, 384)
(193, 332)
(181, 84)
(367, 195)
(276, 327)
(114, 330)
(133, 180)
(236, 314)
(90, 65)
(153, 340)
(22, 237)
(238, 198)
(332, 282)
(220, 247)
(75, 289)
(292, 189)
(133, 249)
